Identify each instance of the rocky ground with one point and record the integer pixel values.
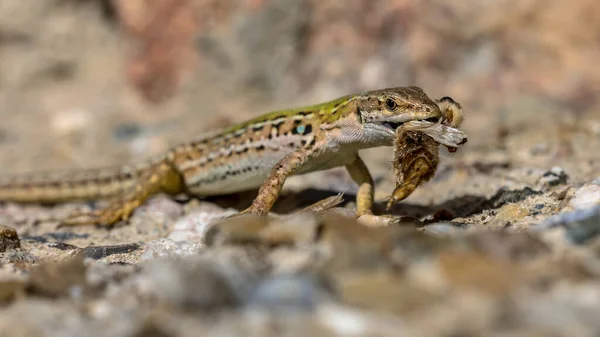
(504, 241)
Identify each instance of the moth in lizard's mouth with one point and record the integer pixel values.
(394, 125)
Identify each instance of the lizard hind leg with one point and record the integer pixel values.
(161, 177)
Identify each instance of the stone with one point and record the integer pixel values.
(194, 283)
(294, 229)
(554, 177)
(282, 293)
(162, 248)
(9, 289)
(9, 239)
(99, 252)
(58, 278)
(586, 196)
(443, 229)
(195, 225)
(581, 225)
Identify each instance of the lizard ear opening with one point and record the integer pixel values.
(359, 115)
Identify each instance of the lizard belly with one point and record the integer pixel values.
(242, 174)
(250, 171)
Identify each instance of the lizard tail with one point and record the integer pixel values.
(60, 186)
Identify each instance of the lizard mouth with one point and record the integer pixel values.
(391, 125)
(395, 125)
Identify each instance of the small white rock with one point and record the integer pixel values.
(586, 196)
(193, 227)
(163, 247)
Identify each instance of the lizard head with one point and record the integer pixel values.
(382, 111)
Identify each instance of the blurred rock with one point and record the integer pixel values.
(587, 196)
(58, 278)
(474, 271)
(383, 291)
(163, 248)
(556, 176)
(9, 239)
(293, 229)
(505, 196)
(99, 252)
(193, 226)
(283, 294)
(503, 245)
(242, 229)
(581, 225)
(9, 289)
(193, 283)
(291, 260)
(443, 229)
(349, 244)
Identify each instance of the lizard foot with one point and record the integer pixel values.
(107, 217)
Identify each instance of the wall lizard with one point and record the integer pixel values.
(259, 153)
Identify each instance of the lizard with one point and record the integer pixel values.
(259, 153)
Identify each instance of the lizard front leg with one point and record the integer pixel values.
(361, 175)
(162, 177)
(270, 189)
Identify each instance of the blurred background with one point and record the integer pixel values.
(95, 82)
(86, 83)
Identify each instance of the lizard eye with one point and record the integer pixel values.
(391, 104)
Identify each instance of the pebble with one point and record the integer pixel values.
(163, 247)
(586, 196)
(194, 226)
(99, 252)
(58, 278)
(9, 239)
(443, 229)
(475, 271)
(505, 196)
(192, 282)
(298, 229)
(287, 292)
(382, 291)
(293, 229)
(9, 289)
(581, 225)
(556, 176)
